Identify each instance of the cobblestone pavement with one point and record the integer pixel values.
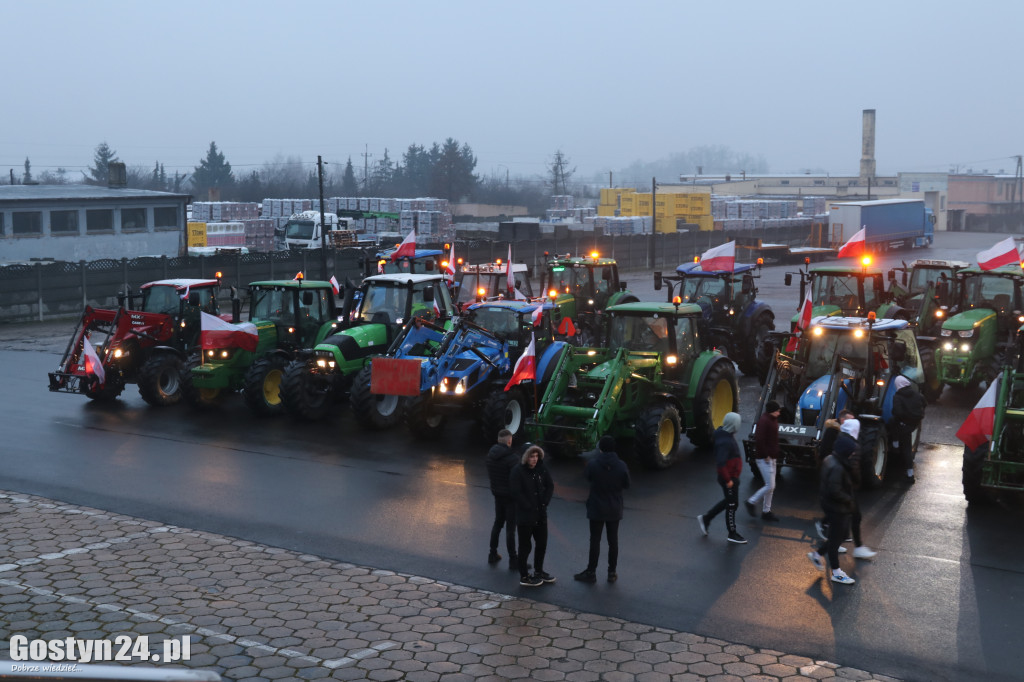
(254, 612)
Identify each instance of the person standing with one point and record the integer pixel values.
(860, 550)
(500, 460)
(837, 499)
(729, 465)
(766, 453)
(908, 406)
(608, 476)
(532, 489)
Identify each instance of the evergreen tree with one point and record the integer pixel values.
(99, 172)
(349, 186)
(212, 172)
(453, 177)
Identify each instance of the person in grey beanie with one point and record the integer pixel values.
(608, 476)
(729, 464)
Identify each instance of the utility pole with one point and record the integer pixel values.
(323, 223)
(654, 222)
(366, 166)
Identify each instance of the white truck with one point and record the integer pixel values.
(302, 231)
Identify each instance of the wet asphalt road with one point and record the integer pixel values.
(941, 601)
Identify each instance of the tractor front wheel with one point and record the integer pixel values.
(160, 379)
(658, 435)
(262, 389)
(422, 421)
(504, 410)
(304, 395)
(374, 411)
(873, 454)
(754, 359)
(716, 397)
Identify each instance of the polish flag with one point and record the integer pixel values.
(802, 323)
(538, 313)
(510, 277)
(977, 428)
(184, 294)
(334, 285)
(719, 258)
(855, 246)
(519, 296)
(92, 361)
(217, 333)
(437, 311)
(449, 271)
(1003, 253)
(406, 248)
(526, 366)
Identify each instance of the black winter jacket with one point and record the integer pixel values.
(500, 460)
(836, 488)
(608, 476)
(532, 490)
(908, 406)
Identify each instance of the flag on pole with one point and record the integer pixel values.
(184, 294)
(437, 310)
(449, 270)
(526, 365)
(719, 258)
(977, 428)
(92, 361)
(520, 296)
(855, 246)
(217, 333)
(1003, 253)
(538, 313)
(510, 277)
(802, 323)
(406, 248)
(334, 285)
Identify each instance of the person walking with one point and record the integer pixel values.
(500, 461)
(837, 499)
(908, 406)
(608, 476)
(532, 489)
(730, 466)
(766, 454)
(860, 550)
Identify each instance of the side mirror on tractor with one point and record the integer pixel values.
(789, 278)
(657, 280)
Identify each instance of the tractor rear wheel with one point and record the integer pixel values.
(262, 387)
(716, 397)
(504, 410)
(422, 421)
(195, 396)
(304, 395)
(658, 435)
(873, 454)
(374, 411)
(160, 379)
(754, 358)
(932, 387)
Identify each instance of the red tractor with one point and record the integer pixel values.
(148, 346)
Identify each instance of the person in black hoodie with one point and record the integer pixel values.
(837, 499)
(908, 406)
(532, 489)
(729, 465)
(608, 476)
(500, 460)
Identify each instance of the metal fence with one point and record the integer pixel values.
(59, 289)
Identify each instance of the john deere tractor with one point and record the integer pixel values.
(289, 315)
(372, 318)
(582, 288)
(838, 363)
(978, 340)
(738, 323)
(842, 290)
(656, 379)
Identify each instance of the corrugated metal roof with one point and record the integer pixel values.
(78, 193)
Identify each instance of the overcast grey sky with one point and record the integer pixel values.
(608, 83)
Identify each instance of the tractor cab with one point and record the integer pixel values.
(582, 288)
(489, 282)
(842, 290)
(423, 261)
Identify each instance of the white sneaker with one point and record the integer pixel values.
(839, 576)
(703, 526)
(864, 552)
(816, 559)
(842, 550)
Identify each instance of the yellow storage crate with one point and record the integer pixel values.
(196, 233)
(607, 209)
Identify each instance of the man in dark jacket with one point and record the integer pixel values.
(729, 466)
(837, 499)
(532, 489)
(500, 460)
(908, 407)
(608, 476)
(766, 453)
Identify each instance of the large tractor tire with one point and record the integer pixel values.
(304, 396)
(262, 387)
(658, 435)
(973, 461)
(874, 453)
(195, 396)
(754, 359)
(160, 379)
(932, 387)
(716, 397)
(504, 410)
(423, 422)
(374, 411)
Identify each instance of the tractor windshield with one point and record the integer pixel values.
(711, 289)
(274, 305)
(818, 354)
(299, 229)
(842, 290)
(383, 303)
(639, 333)
(502, 321)
(578, 281)
(166, 299)
(989, 291)
(920, 278)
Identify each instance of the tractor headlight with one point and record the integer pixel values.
(948, 346)
(732, 311)
(671, 359)
(965, 348)
(965, 333)
(946, 332)
(452, 385)
(118, 353)
(590, 301)
(324, 360)
(940, 313)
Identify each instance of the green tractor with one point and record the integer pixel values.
(976, 342)
(289, 315)
(582, 288)
(842, 290)
(656, 379)
(926, 294)
(373, 316)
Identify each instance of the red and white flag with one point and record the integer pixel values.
(406, 248)
(449, 270)
(184, 294)
(510, 277)
(854, 247)
(538, 313)
(1003, 253)
(437, 310)
(92, 361)
(526, 365)
(977, 428)
(334, 285)
(218, 333)
(719, 258)
(520, 296)
(802, 323)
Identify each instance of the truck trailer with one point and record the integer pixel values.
(887, 223)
